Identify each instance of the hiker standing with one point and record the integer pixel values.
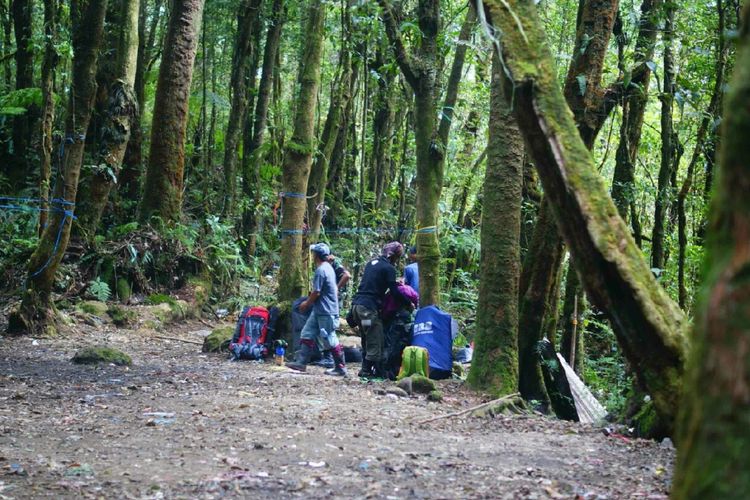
(411, 271)
(322, 324)
(379, 276)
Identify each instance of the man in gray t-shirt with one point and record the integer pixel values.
(322, 324)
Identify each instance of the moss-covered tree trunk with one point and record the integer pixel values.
(132, 163)
(420, 70)
(162, 195)
(252, 157)
(648, 324)
(713, 439)
(48, 106)
(316, 188)
(668, 146)
(36, 314)
(247, 22)
(590, 105)
(494, 366)
(634, 107)
(298, 157)
(116, 124)
(22, 124)
(384, 114)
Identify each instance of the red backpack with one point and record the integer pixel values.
(250, 334)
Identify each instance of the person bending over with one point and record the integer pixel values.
(379, 276)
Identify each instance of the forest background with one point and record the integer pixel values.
(155, 146)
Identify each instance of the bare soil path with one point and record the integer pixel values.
(182, 424)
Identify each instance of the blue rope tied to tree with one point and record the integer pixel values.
(427, 229)
(289, 194)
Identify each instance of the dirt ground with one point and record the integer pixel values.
(182, 424)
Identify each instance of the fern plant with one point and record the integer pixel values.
(100, 290)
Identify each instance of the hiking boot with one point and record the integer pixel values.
(366, 371)
(303, 357)
(326, 361)
(339, 371)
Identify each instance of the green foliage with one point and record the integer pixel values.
(160, 298)
(17, 102)
(99, 290)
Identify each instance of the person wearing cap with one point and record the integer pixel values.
(379, 277)
(322, 324)
(411, 271)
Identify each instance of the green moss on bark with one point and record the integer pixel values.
(96, 355)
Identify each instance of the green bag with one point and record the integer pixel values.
(414, 360)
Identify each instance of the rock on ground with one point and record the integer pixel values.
(183, 424)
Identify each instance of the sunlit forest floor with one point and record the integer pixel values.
(182, 424)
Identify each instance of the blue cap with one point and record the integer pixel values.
(321, 249)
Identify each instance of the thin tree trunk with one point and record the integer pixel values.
(116, 125)
(17, 169)
(572, 343)
(132, 163)
(260, 119)
(495, 363)
(5, 18)
(298, 157)
(667, 147)
(247, 22)
(382, 125)
(451, 92)
(48, 106)
(36, 314)
(648, 325)
(163, 190)
(634, 108)
(316, 189)
(713, 439)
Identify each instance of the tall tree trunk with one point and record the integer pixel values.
(537, 283)
(451, 91)
(17, 169)
(316, 189)
(163, 190)
(5, 18)
(634, 108)
(420, 71)
(132, 163)
(648, 325)
(495, 364)
(116, 124)
(382, 125)
(702, 148)
(48, 106)
(298, 156)
(36, 314)
(713, 439)
(247, 22)
(251, 179)
(667, 144)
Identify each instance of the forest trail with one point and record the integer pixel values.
(182, 424)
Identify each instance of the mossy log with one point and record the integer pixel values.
(649, 326)
(218, 340)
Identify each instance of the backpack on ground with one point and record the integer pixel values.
(414, 360)
(435, 330)
(251, 334)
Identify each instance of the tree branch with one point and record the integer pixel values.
(397, 44)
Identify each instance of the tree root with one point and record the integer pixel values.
(511, 403)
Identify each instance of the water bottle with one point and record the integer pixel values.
(279, 355)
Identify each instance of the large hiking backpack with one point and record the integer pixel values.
(251, 334)
(414, 360)
(434, 330)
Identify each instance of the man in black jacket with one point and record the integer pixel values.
(379, 276)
